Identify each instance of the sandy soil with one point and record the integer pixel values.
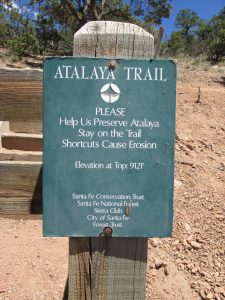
(188, 266)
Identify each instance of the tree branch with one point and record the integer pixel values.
(94, 9)
(73, 10)
(102, 8)
(90, 6)
(86, 5)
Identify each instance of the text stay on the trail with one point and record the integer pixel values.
(108, 147)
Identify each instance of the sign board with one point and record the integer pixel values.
(108, 147)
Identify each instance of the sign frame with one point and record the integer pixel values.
(160, 77)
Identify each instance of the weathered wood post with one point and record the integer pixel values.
(109, 268)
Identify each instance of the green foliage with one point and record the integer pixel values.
(186, 19)
(153, 11)
(17, 31)
(52, 26)
(212, 36)
(197, 38)
(50, 29)
(4, 29)
(4, 26)
(177, 43)
(24, 44)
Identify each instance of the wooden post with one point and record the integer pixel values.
(159, 42)
(109, 268)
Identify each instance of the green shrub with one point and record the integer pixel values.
(23, 45)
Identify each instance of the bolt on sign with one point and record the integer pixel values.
(109, 130)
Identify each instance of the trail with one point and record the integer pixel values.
(188, 266)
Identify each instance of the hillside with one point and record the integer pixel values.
(196, 253)
(188, 266)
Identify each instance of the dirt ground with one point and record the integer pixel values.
(188, 266)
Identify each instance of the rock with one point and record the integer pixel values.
(166, 269)
(209, 296)
(190, 238)
(221, 290)
(194, 270)
(158, 263)
(186, 245)
(207, 275)
(154, 242)
(176, 242)
(177, 137)
(205, 284)
(220, 217)
(182, 267)
(217, 264)
(195, 245)
(178, 261)
(154, 272)
(203, 273)
(193, 285)
(151, 265)
(190, 266)
(202, 294)
(190, 146)
(177, 147)
(187, 228)
(219, 279)
(177, 183)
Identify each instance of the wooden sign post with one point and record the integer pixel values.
(99, 267)
(109, 268)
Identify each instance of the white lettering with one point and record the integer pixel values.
(67, 70)
(75, 73)
(58, 72)
(128, 72)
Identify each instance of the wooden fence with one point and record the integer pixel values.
(20, 154)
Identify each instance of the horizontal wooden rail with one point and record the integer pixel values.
(22, 141)
(20, 95)
(33, 127)
(20, 187)
(7, 75)
(15, 155)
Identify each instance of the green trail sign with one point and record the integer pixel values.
(108, 147)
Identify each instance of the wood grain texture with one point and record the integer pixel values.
(11, 75)
(26, 126)
(20, 95)
(20, 187)
(107, 268)
(79, 269)
(117, 270)
(22, 141)
(113, 40)
(4, 126)
(15, 155)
